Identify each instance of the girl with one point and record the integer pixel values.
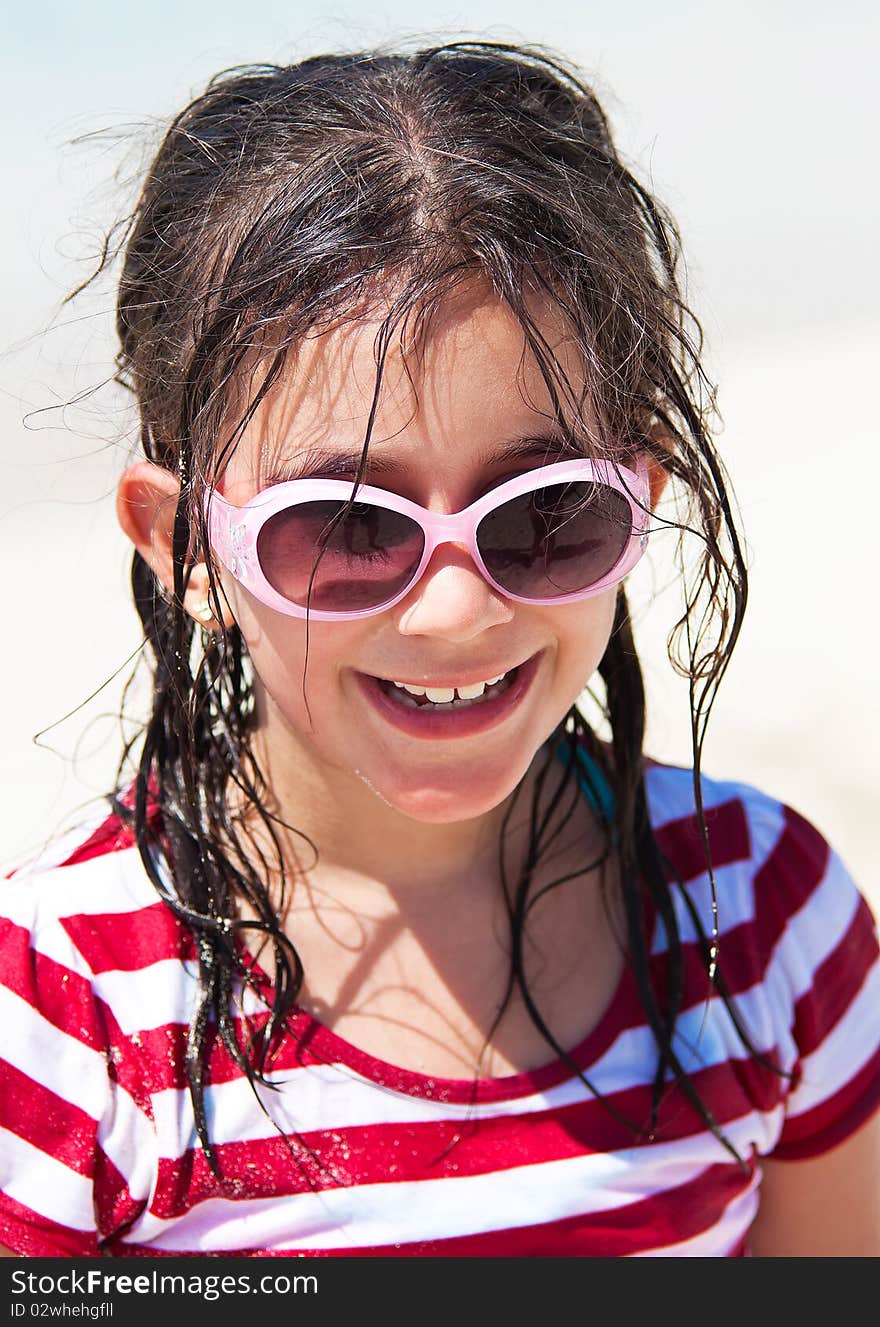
(388, 950)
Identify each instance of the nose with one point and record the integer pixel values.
(452, 600)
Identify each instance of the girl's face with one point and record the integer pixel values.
(439, 441)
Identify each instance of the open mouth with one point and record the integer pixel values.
(448, 714)
(407, 698)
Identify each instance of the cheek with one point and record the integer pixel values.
(279, 648)
(582, 632)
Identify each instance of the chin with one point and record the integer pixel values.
(443, 800)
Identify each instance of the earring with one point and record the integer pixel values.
(204, 612)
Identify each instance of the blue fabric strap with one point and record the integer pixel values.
(592, 781)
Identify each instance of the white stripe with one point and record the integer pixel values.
(845, 1050)
(47, 936)
(58, 847)
(736, 905)
(73, 1071)
(158, 995)
(112, 882)
(734, 881)
(326, 1097)
(45, 1185)
(128, 1139)
(388, 1213)
(835, 896)
(155, 996)
(670, 796)
(334, 1096)
(39, 903)
(813, 932)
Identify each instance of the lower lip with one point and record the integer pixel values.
(438, 723)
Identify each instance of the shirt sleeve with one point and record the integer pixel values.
(60, 1191)
(825, 988)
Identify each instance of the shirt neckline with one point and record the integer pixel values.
(318, 1043)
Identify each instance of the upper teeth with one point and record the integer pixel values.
(439, 695)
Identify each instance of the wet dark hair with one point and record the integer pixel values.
(286, 200)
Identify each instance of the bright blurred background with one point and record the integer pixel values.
(754, 122)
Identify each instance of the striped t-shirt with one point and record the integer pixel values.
(352, 1156)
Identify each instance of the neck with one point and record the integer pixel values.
(340, 836)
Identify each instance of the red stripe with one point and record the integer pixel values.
(836, 982)
(57, 1127)
(833, 1120)
(116, 1209)
(68, 1001)
(149, 1062)
(63, 997)
(642, 1226)
(110, 836)
(129, 941)
(403, 1152)
(69, 1135)
(157, 1054)
(155, 1058)
(729, 840)
(113, 835)
(796, 865)
(794, 869)
(33, 1236)
(792, 873)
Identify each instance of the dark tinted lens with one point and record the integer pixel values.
(555, 540)
(362, 561)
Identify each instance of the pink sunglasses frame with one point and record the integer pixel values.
(234, 530)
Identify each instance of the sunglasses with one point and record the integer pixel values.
(557, 534)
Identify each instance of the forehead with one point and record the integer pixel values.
(469, 382)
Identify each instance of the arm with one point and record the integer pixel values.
(826, 1206)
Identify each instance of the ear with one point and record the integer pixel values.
(658, 475)
(146, 500)
(658, 478)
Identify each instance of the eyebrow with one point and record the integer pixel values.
(319, 463)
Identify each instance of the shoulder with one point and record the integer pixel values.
(781, 860)
(86, 944)
(739, 817)
(778, 881)
(798, 946)
(84, 869)
(76, 916)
